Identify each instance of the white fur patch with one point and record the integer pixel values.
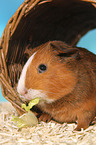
(21, 83)
(32, 93)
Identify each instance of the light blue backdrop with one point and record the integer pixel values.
(9, 7)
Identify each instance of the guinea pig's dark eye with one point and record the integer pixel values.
(42, 68)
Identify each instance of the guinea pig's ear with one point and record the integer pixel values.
(70, 53)
(63, 50)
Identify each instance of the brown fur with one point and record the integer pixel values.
(70, 81)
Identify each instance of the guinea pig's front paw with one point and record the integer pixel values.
(45, 117)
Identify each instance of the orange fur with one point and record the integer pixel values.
(56, 74)
(70, 80)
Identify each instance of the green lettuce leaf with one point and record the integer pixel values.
(25, 120)
(29, 118)
(31, 104)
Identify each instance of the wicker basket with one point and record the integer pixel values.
(59, 19)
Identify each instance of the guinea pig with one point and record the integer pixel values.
(64, 78)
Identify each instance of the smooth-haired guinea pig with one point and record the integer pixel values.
(64, 78)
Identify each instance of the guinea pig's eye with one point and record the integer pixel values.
(42, 68)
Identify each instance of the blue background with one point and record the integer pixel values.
(9, 7)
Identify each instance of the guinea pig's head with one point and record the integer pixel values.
(46, 74)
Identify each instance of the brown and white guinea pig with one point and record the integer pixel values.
(64, 78)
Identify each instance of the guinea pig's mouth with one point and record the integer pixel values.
(32, 94)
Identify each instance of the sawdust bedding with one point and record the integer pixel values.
(42, 134)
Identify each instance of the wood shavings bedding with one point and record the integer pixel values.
(42, 134)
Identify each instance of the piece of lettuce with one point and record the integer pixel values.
(29, 118)
(31, 104)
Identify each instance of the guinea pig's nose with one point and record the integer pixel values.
(24, 92)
